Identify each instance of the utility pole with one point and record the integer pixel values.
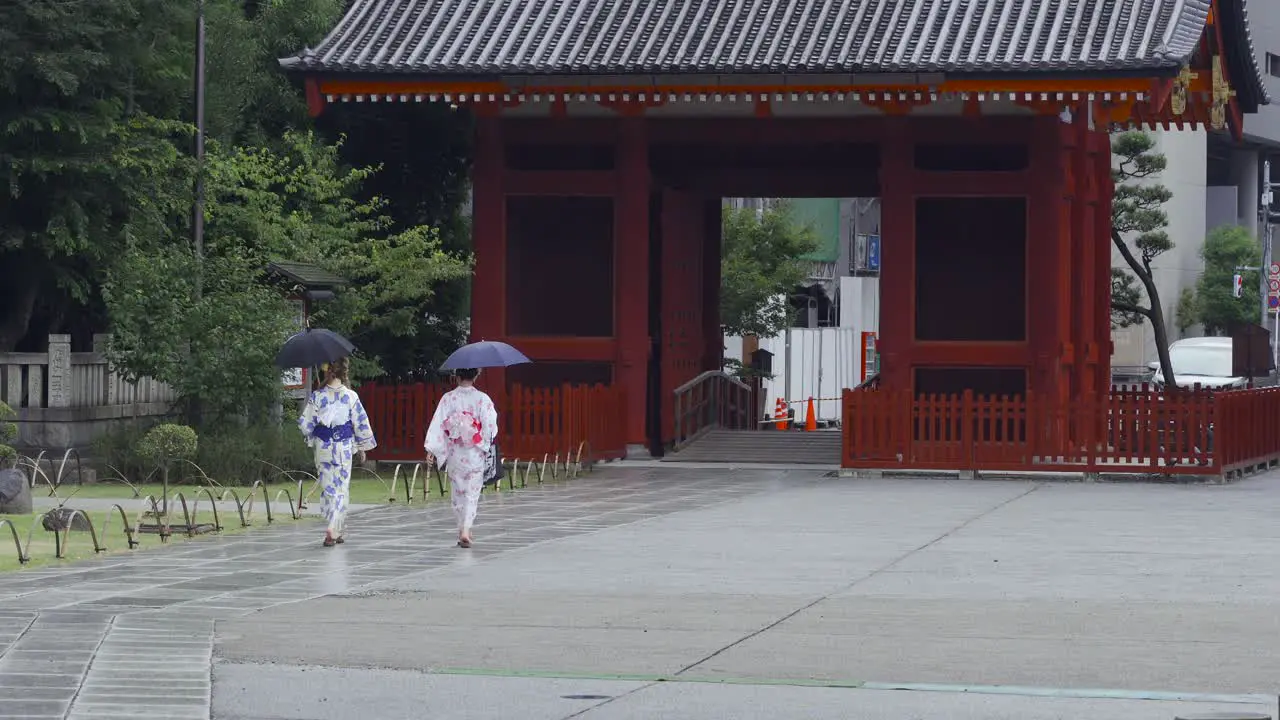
(197, 210)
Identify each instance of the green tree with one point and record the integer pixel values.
(162, 446)
(1188, 310)
(760, 267)
(296, 204)
(8, 431)
(249, 100)
(70, 75)
(1227, 248)
(1138, 223)
(422, 151)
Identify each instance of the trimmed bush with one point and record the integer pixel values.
(162, 445)
(165, 443)
(8, 431)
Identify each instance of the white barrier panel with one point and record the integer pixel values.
(823, 362)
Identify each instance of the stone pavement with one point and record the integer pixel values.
(683, 593)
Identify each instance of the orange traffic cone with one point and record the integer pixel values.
(780, 414)
(811, 422)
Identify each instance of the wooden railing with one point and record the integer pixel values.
(1248, 428)
(712, 400)
(60, 378)
(533, 422)
(1125, 431)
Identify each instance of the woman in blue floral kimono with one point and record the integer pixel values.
(335, 425)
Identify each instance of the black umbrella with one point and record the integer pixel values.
(313, 347)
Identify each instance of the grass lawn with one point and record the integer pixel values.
(43, 548)
(366, 489)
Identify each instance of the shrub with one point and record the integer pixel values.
(162, 445)
(168, 442)
(229, 455)
(117, 451)
(243, 455)
(8, 431)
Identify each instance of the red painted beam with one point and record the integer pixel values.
(560, 182)
(743, 182)
(567, 349)
(970, 354)
(973, 184)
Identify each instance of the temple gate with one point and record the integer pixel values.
(608, 132)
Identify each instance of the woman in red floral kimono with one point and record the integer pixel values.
(460, 438)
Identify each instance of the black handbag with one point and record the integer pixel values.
(493, 471)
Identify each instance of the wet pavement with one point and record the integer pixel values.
(682, 593)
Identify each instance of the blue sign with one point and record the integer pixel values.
(873, 252)
(1273, 302)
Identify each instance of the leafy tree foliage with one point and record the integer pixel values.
(70, 75)
(162, 446)
(1138, 223)
(8, 431)
(1188, 310)
(760, 268)
(216, 347)
(1227, 248)
(249, 100)
(423, 155)
(95, 115)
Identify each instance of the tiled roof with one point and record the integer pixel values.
(1245, 68)
(305, 273)
(616, 37)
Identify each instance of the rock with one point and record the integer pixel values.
(15, 492)
(58, 518)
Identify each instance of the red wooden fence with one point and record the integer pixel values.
(532, 422)
(1125, 431)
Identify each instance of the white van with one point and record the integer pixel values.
(1203, 361)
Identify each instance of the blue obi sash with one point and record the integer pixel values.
(336, 433)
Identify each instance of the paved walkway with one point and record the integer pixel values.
(682, 593)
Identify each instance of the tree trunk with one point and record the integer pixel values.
(1158, 326)
(164, 484)
(1142, 270)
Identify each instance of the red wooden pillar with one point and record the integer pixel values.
(897, 273)
(1082, 236)
(1049, 259)
(489, 241)
(682, 330)
(1100, 148)
(711, 225)
(631, 270)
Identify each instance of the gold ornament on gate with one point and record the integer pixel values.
(1178, 101)
(1222, 94)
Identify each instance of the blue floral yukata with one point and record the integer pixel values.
(336, 427)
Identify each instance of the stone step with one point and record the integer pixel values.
(819, 448)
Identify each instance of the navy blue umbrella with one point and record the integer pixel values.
(313, 347)
(484, 354)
